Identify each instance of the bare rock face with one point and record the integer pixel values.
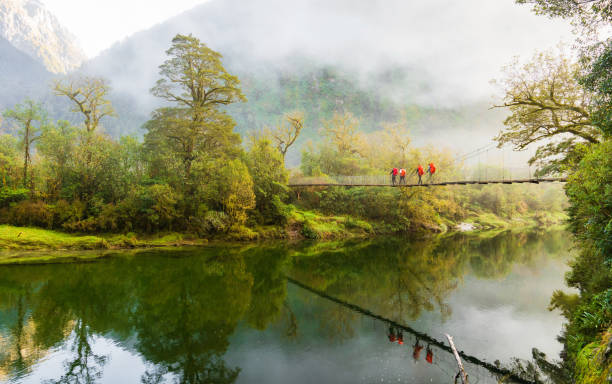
(31, 28)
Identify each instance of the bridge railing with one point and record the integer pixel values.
(479, 174)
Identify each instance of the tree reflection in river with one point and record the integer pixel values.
(178, 310)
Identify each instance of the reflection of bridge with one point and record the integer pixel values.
(385, 181)
(422, 336)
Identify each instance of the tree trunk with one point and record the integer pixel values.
(26, 161)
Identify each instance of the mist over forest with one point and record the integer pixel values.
(426, 65)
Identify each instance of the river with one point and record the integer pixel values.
(342, 312)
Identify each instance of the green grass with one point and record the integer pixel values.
(28, 239)
(317, 226)
(33, 238)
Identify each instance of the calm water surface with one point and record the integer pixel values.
(366, 311)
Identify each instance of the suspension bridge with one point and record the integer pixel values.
(385, 181)
(454, 172)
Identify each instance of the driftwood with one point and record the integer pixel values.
(461, 373)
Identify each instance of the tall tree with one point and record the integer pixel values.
(57, 145)
(29, 117)
(187, 138)
(285, 135)
(341, 130)
(547, 103)
(89, 98)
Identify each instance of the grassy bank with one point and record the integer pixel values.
(26, 238)
(302, 224)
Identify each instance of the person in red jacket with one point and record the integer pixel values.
(402, 174)
(393, 175)
(431, 170)
(420, 173)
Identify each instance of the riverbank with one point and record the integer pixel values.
(26, 244)
(301, 225)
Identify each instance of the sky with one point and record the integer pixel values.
(99, 23)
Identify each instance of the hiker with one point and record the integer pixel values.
(431, 170)
(402, 174)
(417, 350)
(393, 175)
(420, 173)
(429, 356)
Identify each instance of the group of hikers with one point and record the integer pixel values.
(396, 336)
(419, 172)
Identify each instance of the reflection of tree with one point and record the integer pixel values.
(18, 350)
(398, 278)
(402, 278)
(184, 320)
(181, 310)
(86, 366)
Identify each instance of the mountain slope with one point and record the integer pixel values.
(21, 76)
(31, 28)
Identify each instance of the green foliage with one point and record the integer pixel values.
(8, 196)
(235, 191)
(9, 162)
(599, 80)
(29, 117)
(547, 105)
(590, 192)
(32, 213)
(266, 167)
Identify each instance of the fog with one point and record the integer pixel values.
(436, 54)
(454, 47)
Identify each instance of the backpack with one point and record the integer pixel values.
(432, 168)
(420, 170)
(402, 172)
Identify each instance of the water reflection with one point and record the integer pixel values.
(185, 314)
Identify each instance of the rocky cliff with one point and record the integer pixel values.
(31, 28)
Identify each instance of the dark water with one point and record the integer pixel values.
(229, 314)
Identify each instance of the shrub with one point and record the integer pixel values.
(215, 222)
(308, 231)
(9, 196)
(32, 213)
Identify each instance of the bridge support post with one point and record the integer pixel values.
(462, 374)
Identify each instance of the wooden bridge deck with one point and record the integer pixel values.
(437, 184)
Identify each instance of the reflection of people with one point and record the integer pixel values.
(417, 350)
(429, 356)
(400, 337)
(391, 334)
